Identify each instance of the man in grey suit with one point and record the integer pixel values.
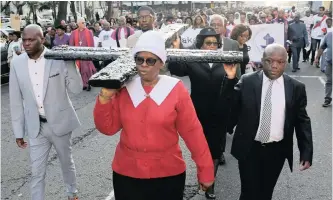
(42, 111)
(298, 37)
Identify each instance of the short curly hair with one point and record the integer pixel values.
(238, 30)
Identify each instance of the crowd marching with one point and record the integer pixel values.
(154, 109)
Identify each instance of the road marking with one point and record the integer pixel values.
(322, 80)
(297, 76)
(111, 195)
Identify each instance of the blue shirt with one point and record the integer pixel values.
(327, 44)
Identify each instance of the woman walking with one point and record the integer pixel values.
(151, 111)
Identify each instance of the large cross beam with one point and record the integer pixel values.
(123, 68)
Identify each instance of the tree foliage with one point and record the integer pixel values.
(62, 12)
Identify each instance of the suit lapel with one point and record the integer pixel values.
(26, 74)
(46, 75)
(258, 89)
(206, 66)
(288, 92)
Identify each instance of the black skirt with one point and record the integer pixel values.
(166, 188)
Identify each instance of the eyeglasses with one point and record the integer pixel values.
(149, 61)
(209, 43)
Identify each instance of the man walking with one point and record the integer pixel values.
(41, 110)
(266, 120)
(298, 36)
(327, 44)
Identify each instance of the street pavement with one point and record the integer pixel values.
(93, 153)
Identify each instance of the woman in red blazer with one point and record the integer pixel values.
(151, 111)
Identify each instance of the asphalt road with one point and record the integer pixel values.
(93, 153)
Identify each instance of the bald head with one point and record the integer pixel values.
(275, 48)
(274, 61)
(34, 28)
(33, 40)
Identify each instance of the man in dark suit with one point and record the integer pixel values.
(267, 106)
(298, 36)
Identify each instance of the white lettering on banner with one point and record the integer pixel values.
(189, 36)
(263, 35)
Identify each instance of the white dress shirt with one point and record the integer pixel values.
(278, 108)
(36, 73)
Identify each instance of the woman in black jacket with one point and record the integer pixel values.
(242, 33)
(208, 81)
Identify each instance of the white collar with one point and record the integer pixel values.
(280, 80)
(41, 55)
(161, 90)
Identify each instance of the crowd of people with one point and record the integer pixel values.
(154, 109)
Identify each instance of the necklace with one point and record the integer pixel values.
(80, 42)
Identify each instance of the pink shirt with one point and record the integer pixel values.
(150, 128)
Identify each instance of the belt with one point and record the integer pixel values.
(42, 119)
(270, 144)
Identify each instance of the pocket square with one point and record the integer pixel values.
(57, 74)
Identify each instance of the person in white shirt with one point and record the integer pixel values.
(15, 47)
(323, 63)
(146, 17)
(105, 36)
(316, 32)
(308, 20)
(120, 34)
(41, 111)
(105, 40)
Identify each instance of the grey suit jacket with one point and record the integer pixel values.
(298, 35)
(59, 76)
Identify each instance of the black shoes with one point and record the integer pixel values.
(210, 195)
(327, 102)
(87, 88)
(222, 160)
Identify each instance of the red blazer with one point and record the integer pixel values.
(149, 138)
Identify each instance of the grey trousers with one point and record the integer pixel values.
(39, 152)
(328, 84)
(296, 51)
(323, 62)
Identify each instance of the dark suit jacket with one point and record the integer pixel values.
(246, 115)
(228, 45)
(207, 94)
(298, 35)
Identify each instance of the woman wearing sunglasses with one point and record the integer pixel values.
(208, 91)
(151, 111)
